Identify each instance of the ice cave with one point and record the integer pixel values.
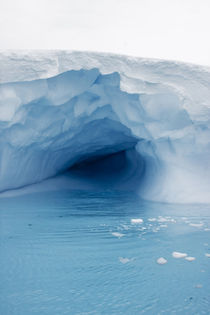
(142, 125)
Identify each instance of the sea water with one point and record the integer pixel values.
(102, 253)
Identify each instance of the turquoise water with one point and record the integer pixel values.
(80, 253)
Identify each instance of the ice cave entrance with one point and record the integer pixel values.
(110, 160)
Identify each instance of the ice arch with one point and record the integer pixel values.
(134, 125)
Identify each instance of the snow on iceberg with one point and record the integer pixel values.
(92, 120)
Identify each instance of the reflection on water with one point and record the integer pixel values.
(81, 253)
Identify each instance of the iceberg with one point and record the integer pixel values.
(84, 120)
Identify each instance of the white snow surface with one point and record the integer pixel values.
(61, 108)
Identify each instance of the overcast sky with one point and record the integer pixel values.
(169, 29)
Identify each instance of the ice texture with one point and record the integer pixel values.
(141, 124)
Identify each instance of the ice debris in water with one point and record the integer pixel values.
(179, 255)
(189, 258)
(198, 286)
(161, 261)
(166, 219)
(207, 255)
(136, 221)
(196, 224)
(117, 234)
(124, 260)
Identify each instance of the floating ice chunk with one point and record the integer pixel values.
(117, 234)
(161, 261)
(196, 224)
(164, 225)
(161, 219)
(137, 221)
(152, 219)
(206, 229)
(188, 258)
(179, 255)
(167, 219)
(207, 255)
(198, 286)
(124, 260)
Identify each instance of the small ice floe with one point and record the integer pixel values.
(179, 255)
(207, 255)
(152, 219)
(137, 221)
(206, 229)
(124, 260)
(117, 234)
(198, 225)
(161, 261)
(189, 258)
(161, 219)
(198, 286)
(163, 225)
(166, 219)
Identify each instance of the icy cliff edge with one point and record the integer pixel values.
(106, 122)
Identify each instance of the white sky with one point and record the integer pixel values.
(169, 29)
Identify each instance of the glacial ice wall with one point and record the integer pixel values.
(105, 121)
